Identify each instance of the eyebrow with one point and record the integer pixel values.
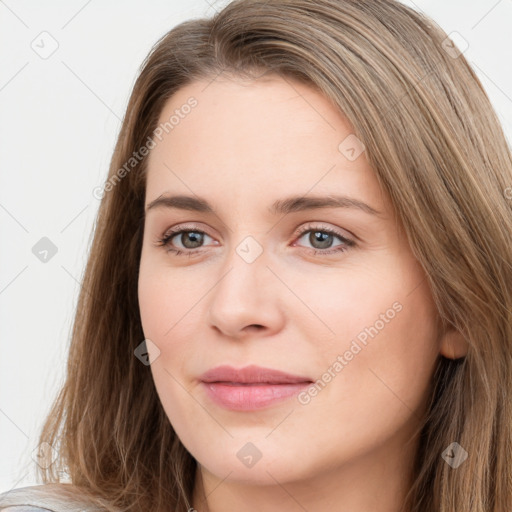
(281, 206)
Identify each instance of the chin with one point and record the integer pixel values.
(272, 465)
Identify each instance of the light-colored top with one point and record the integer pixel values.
(45, 498)
(24, 508)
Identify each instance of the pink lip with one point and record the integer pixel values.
(252, 387)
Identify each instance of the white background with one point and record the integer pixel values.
(60, 117)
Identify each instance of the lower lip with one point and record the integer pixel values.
(250, 397)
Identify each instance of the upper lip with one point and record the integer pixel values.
(251, 374)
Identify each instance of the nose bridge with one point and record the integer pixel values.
(245, 267)
(245, 294)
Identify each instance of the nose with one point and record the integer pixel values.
(246, 300)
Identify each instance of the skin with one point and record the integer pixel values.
(351, 447)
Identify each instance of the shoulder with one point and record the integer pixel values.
(23, 508)
(54, 497)
(33, 498)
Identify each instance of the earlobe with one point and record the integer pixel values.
(453, 345)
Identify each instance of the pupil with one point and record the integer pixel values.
(325, 239)
(196, 238)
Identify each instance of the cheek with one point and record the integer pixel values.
(404, 358)
(165, 295)
(381, 353)
(156, 302)
(333, 306)
(167, 319)
(382, 358)
(171, 315)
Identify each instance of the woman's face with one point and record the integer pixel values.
(329, 292)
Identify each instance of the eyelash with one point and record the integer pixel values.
(165, 241)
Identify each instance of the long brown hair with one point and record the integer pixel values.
(438, 150)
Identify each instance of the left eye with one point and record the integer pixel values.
(194, 238)
(322, 239)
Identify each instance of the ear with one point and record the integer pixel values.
(453, 345)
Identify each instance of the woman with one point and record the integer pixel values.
(299, 292)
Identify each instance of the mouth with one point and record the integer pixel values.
(251, 388)
(241, 396)
(251, 374)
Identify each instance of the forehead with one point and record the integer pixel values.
(256, 136)
(252, 112)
